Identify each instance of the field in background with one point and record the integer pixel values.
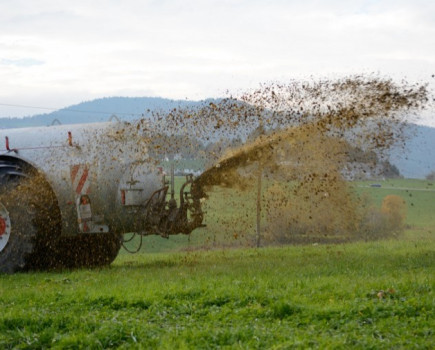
(187, 292)
(418, 194)
(231, 215)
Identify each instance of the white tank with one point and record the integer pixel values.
(98, 160)
(87, 181)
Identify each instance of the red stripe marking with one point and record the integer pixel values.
(82, 181)
(74, 171)
(2, 226)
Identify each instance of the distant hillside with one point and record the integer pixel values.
(415, 161)
(99, 110)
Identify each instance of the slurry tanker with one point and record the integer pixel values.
(68, 193)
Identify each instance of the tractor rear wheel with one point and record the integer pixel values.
(17, 230)
(87, 250)
(29, 217)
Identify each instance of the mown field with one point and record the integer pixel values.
(174, 295)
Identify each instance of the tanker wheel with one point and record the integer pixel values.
(29, 218)
(17, 232)
(87, 250)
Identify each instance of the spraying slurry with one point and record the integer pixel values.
(307, 139)
(311, 135)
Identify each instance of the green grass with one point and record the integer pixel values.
(418, 194)
(313, 296)
(167, 296)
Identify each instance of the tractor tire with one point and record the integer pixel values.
(29, 218)
(17, 240)
(87, 250)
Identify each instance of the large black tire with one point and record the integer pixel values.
(87, 250)
(20, 243)
(33, 214)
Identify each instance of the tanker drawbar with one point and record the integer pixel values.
(68, 194)
(164, 217)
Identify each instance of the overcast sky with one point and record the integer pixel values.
(54, 53)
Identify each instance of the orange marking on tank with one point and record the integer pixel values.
(82, 181)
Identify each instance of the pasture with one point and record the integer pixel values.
(191, 292)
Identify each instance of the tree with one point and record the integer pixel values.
(431, 176)
(395, 210)
(390, 171)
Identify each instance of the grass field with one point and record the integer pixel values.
(231, 216)
(357, 295)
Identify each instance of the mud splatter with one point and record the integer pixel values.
(310, 134)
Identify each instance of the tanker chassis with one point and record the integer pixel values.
(68, 193)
